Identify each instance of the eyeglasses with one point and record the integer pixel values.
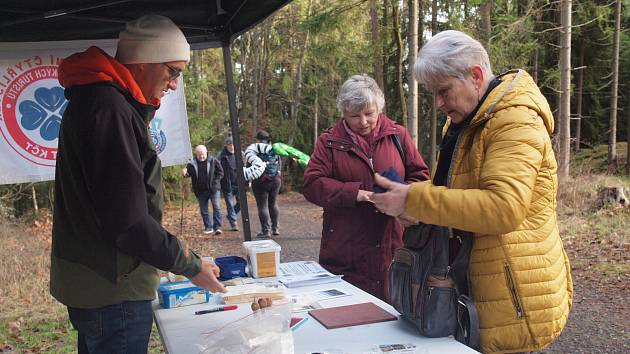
(173, 73)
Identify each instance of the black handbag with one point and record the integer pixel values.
(429, 291)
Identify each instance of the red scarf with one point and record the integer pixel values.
(94, 65)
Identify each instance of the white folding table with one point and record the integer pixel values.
(180, 328)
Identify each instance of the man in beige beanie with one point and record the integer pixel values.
(107, 239)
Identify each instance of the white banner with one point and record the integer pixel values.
(33, 103)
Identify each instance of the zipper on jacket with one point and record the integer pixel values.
(513, 292)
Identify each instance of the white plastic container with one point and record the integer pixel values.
(263, 257)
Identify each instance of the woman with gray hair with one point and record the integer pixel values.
(357, 241)
(495, 182)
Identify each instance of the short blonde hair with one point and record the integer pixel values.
(449, 54)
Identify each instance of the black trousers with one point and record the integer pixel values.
(265, 191)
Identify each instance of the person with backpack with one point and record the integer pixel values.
(206, 173)
(357, 241)
(496, 180)
(267, 185)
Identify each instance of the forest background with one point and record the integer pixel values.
(289, 68)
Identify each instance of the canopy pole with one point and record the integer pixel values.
(236, 137)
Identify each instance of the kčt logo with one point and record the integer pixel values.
(157, 135)
(44, 112)
(32, 106)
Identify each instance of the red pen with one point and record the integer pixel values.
(217, 309)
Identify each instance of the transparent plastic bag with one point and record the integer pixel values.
(265, 331)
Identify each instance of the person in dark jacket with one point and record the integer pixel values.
(229, 182)
(107, 238)
(206, 173)
(357, 240)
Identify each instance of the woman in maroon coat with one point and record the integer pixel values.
(357, 240)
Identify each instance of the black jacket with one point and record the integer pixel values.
(214, 175)
(108, 203)
(228, 163)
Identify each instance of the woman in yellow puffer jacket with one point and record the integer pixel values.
(496, 178)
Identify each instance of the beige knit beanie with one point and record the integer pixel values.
(152, 39)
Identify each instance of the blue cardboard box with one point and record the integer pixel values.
(181, 293)
(231, 267)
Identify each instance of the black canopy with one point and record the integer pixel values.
(206, 24)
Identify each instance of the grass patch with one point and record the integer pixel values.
(612, 269)
(595, 160)
(38, 336)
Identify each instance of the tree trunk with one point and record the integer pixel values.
(396, 14)
(485, 14)
(385, 50)
(564, 136)
(196, 72)
(564, 143)
(465, 9)
(628, 145)
(297, 82)
(255, 84)
(535, 73)
(412, 112)
(612, 137)
(34, 199)
(376, 44)
(433, 140)
(316, 119)
(420, 113)
(579, 94)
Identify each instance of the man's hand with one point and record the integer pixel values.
(185, 172)
(207, 278)
(393, 201)
(215, 269)
(363, 196)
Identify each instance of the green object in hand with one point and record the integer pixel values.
(289, 151)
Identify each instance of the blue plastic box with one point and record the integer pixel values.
(231, 267)
(181, 293)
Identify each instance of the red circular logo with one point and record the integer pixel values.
(32, 106)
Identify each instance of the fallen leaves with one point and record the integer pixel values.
(14, 329)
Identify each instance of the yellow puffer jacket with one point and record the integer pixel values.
(503, 187)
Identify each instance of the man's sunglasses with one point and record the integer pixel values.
(173, 73)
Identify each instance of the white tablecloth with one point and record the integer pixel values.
(180, 328)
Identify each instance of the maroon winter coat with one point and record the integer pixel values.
(358, 241)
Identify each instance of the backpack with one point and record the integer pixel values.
(430, 292)
(271, 159)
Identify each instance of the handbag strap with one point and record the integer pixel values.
(468, 320)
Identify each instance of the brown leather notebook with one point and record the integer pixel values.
(351, 315)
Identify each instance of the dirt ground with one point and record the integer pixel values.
(599, 321)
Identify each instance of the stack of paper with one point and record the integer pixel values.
(295, 274)
(311, 301)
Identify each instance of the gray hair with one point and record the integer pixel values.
(450, 54)
(201, 148)
(358, 92)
